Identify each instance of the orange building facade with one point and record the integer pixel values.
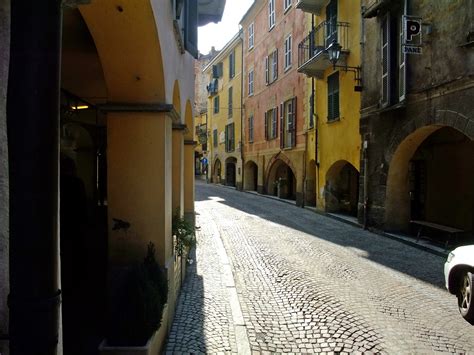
(274, 115)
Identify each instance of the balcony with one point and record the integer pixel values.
(313, 58)
(213, 87)
(311, 6)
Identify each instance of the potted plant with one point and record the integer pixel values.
(137, 310)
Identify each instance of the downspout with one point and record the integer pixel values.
(207, 150)
(365, 142)
(315, 117)
(242, 106)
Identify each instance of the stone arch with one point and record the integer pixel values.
(341, 192)
(283, 158)
(251, 176)
(281, 180)
(416, 155)
(442, 118)
(140, 78)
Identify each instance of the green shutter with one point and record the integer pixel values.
(386, 60)
(282, 126)
(293, 132)
(266, 125)
(190, 29)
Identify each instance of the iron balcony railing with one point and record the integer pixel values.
(320, 38)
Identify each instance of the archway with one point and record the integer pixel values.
(342, 188)
(230, 171)
(216, 172)
(430, 178)
(251, 176)
(281, 180)
(310, 193)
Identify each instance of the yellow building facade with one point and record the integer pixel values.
(333, 155)
(224, 110)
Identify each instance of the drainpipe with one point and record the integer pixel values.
(366, 182)
(242, 107)
(316, 131)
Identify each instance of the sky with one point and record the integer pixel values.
(219, 34)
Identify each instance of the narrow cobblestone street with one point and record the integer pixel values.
(269, 277)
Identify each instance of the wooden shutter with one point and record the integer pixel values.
(333, 96)
(275, 65)
(215, 73)
(330, 108)
(293, 132)
(227, 138)
(386, 60)
(231, 65)
(266, 125)
(190, 29)
(267, 71)
(282, 126)
(402, 60)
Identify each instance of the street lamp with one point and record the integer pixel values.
(334, 53)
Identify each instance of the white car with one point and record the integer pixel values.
(459, 276)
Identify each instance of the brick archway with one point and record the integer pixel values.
(442, 118)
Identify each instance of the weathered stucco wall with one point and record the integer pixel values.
(4, 60)
(439, 93)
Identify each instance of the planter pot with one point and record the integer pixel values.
(153, 345)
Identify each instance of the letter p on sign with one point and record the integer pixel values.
(413, 29)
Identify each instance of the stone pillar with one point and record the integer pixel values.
(189, 179)
(4, 192)
(178, 167)
(299, 187)
(139, 186)
(33, 126)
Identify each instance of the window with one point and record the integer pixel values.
(251, 82)
(230, 102)
(287, 5)
(251, 129)
(271, 67)
(216, 104)
(393, 60)
(331, 22)
(232, 64)
(251, 36)
(288, 123)
(288, 52)
(229, 138)
(271, 124)
(271, 14)
(214, 138)
(217, 70)
(333, 96)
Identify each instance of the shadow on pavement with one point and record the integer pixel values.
(384, 251)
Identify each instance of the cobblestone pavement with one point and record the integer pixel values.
(310, 284)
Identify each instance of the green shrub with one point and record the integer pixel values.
(139, 304)
(184, 232)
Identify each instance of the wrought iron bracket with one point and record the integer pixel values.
(357, 75)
